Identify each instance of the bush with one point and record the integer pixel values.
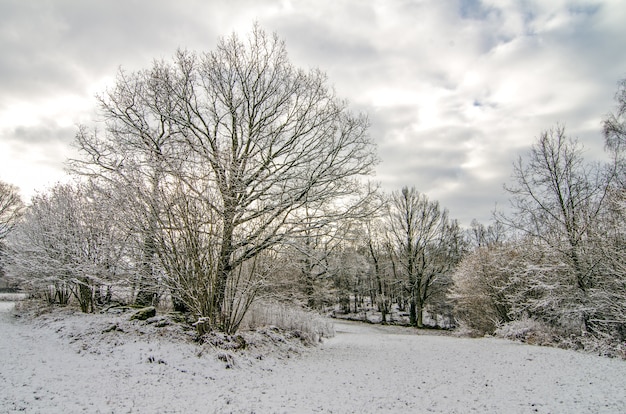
(481, 288)
(534, 332)
(529, 331)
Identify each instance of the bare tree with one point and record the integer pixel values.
(610, 297)
(480, 235)
(614, 125)
(377, 246)
(267, 139)
(11, 208)
(313, 250)
(68, 246)
(561, 205)
(564, 267)
(558, 198)
(351, 272)
(131, 160)
(271, 138)
(427, 245)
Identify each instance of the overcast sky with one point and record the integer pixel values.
(455, 90)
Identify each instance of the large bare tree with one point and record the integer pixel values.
(253, 139)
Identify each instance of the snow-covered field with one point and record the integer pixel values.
(69, 363)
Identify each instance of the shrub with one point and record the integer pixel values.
(529, 331)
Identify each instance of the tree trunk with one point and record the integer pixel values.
(85, 296)
(179, 305)
(224, 270)
(309, 287)
(412, 311)
(420, 316)
(146, 294)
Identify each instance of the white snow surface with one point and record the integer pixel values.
(71, 363)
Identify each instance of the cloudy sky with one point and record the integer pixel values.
(455, 89)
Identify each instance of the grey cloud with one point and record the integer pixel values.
(52, 46)
(35, 156)
(427, 158)
(476, 201)
(40, 135)
(495, 73)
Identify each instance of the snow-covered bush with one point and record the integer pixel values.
(482, 286)
(516, 281)
(529, 331)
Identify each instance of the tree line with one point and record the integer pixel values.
(222, 178)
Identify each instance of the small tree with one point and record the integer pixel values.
(480, 235)
(513, 280)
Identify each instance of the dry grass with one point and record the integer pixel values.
(12, 297)
(289, 318)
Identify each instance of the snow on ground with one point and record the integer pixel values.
(71, 363)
